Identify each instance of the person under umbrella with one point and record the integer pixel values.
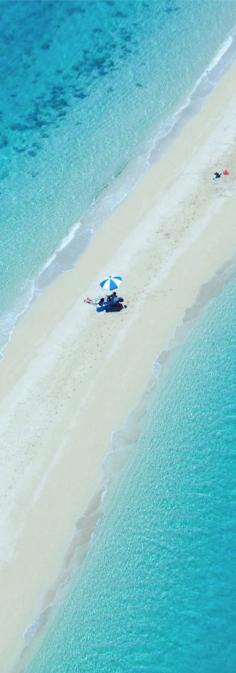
(112, 302)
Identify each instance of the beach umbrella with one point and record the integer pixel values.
(110, 283)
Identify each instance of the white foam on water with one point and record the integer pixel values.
(222, 51)
(64, 243)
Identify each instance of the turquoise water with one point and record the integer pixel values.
(85, 84)
(157, 592)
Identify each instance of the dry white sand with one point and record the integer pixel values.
(70, 376)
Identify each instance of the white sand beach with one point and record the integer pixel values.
(70, 376)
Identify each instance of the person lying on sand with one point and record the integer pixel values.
(111, 298)
(108, 304)
(94, 302)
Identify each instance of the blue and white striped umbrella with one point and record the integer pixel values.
(110, 283)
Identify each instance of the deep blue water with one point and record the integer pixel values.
(157, 593)
(83, 85)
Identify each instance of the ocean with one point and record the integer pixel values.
(157, 590)
(90, 90)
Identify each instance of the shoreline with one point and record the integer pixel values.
(64, 258)
(115, 462)
(171, 233)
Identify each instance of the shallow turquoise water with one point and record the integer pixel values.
(85, 83)
(157, 592)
